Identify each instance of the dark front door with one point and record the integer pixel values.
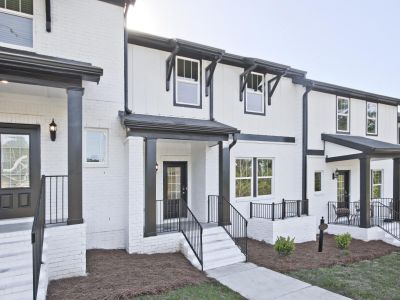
(19, 170)
(175, 187)
(343, 192)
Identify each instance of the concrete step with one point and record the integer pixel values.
(212, 264)
(218, 245)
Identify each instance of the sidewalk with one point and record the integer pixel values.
(254, 282)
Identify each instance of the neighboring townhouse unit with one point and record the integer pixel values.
(118, 139)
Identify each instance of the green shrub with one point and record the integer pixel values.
(343, 240)
(284, 246)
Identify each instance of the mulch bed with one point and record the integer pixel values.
(306, 255)
(114, 274)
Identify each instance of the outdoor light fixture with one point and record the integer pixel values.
(4, 81)
(335, 174)
(53, 130)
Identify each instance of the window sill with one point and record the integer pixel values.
(95, 165)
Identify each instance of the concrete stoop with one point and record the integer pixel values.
(218, 250)
(16, 275)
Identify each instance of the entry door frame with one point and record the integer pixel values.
(34, 169)
(184, 179)
(346, 174)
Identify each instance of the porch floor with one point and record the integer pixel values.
(7, 228)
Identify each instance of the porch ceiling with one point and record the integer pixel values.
(186, 127)
(32, 68)
(367, 146)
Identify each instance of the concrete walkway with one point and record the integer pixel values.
(254, 282)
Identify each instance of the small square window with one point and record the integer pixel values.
(96, 147)
(318, 181)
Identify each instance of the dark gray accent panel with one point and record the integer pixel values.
(396, 187)
(365, 192)
(16, 30)
(175, 135)
(150, 187)
(266, 138)
(75, 155)
(315, 152)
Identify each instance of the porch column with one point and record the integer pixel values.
(150, 146)
(365, 192)
(75, 155)
(224, 181)
(396, 188)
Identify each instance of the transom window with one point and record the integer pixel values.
(255, 183)
(318, 181)
(187, 82)
(342, 114)
(255, 94)
(16, 22)
(96, 146)
(372, 118)
(376, 186)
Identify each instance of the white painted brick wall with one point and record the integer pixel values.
(66, 251)
(301, 229)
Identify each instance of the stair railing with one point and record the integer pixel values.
(386, 218)
(37, 236)
(191, 230)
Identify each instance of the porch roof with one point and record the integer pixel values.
(367, 146)
(162, 124)
(32, 68)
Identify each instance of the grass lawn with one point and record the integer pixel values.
(371, 279)
(205, 291)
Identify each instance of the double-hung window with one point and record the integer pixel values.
(376, 186)
(372, 118)
(187, 82)
(343, 114)
(16, 22)
(264, 177)
(255, 88)
(244, 177)
(254, 177)
(96, 147)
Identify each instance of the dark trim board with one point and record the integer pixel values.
(265, 138)
(176, 135)
(344, 157)
(316, 152)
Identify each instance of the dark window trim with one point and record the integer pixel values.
(366, 118)
(200, 106)
(349, 115)
(372, 180)
(315, 152)
(320, 190)
(245, 99)
(266, 138)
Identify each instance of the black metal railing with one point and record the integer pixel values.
(274, 211)
(167, 218)
(386, 218)
(191, 230)
(226, 215)
(346, 213)
(37, 236)
(56, 199)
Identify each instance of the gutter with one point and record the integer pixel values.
(231, 145)
(305, 142)
(128, 3)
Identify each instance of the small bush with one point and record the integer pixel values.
(284, 246)
(343, 240)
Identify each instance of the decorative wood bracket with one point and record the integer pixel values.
(243, 79)
(170, 64)
(210, 72)
(48, 15)
(275, 81)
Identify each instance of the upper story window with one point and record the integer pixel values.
(187, 82)
(342, 114)
(255, 100)
(16, 22)
(372, 118)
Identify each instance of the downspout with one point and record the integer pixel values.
(231, 145)
(305, 142)
(127, 5)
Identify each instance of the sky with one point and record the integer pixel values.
(353, 43)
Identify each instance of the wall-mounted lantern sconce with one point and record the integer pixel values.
(335, 174)
(156, 166)
(53, 130)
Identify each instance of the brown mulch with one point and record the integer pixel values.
(306, 255)
(114, 274)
